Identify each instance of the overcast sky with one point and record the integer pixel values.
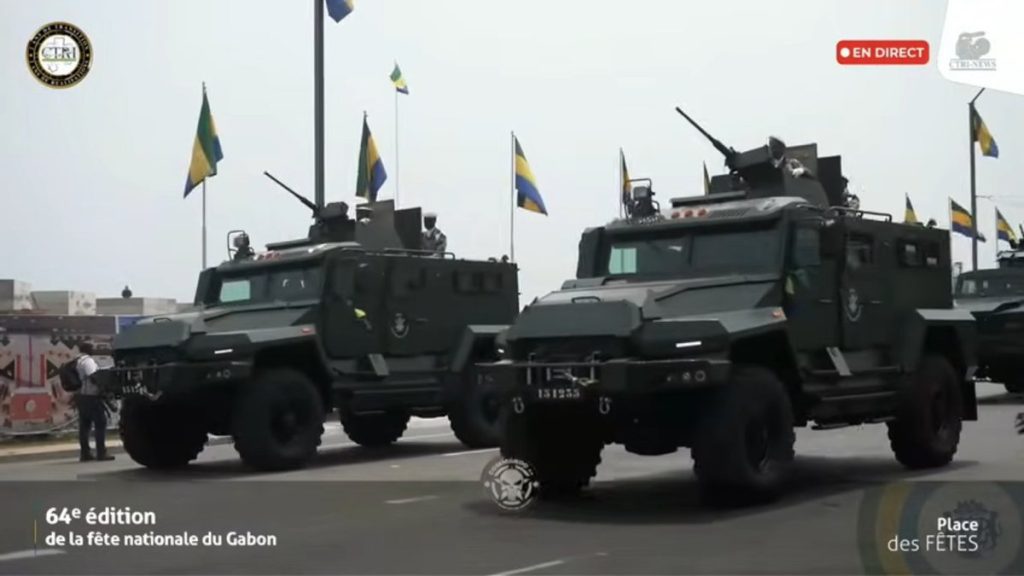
(92, 175)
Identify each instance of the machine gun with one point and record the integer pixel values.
(377, 225)
(778, 170)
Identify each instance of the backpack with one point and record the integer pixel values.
(69, 378)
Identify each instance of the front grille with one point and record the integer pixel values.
(146, 357)
(572, 349)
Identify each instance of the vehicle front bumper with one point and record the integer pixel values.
(171, 377)
(534, 381)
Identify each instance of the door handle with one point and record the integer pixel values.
(420, 320)
(825, 301)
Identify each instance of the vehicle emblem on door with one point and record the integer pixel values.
(399, 325)
(853, 305)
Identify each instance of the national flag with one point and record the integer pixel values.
(1004, 231)
(707, 180)
(909, 216)
(206, 151)
(624, 185)
(398, 80)
(338, 9)
(371, 169)
(983, 137)
(960, 220)
(527, 196)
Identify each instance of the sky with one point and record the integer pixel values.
(91, 191)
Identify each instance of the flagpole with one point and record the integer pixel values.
(204, 200)
(512, 205)
(204, 223)
(397, 167)
(974, 194)
(318, 100)
(622, 155)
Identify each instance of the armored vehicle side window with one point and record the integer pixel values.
(622, 260)
(235, 290)
(806, 249)
(294, 284)
(741, 250)
(859, 251)
(910, 254)
(931, 255)
(967, 287)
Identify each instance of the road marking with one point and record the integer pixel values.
(465, 452)
(350, 443)
(411, 500)
(22, 554)
(550, 564)
(531, 568)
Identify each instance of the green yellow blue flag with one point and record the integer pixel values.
(338, 9)
(960, 220)
(371, 169)
(527, 196)
(1004, 231)
(983, 137)
(909, 216)
(398, 80)
(206, 151)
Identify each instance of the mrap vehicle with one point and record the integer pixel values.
(723, 321)
(995, 297)
(355, 318)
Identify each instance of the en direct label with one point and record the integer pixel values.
(882, 52)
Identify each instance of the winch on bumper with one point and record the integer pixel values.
(172, 377)
(540, 382)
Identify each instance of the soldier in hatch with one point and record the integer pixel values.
(433, 239)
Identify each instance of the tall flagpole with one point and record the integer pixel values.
(974, 194)
(397, 168)
(512, 205)
(204, 201)
(204, 223)
(318, 100)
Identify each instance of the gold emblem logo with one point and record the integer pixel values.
(59, 55)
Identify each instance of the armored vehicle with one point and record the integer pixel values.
(354, 318)
(723, 321)
(995, 297)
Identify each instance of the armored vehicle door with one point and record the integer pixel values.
(812, 274)
(353, 322)
(418, 302)
(863, 294)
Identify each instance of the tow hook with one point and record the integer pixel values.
(517, 405)
(604, 405)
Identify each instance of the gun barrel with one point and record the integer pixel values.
(726, 151)
(299, 197)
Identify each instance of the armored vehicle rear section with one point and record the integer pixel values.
(367, 326)
(995, 298)
(726, 320)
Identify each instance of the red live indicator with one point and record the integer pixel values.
(882, 52)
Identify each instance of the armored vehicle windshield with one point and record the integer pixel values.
(984, 283)
(292, 283)
(692, 251)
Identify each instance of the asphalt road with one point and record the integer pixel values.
(419, 508)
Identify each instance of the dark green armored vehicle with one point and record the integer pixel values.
(354, 318)
(723, 321)
(995, 297)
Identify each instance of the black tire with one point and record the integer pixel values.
(926, 431)
(278, 420)
(375, 430)
(743, 449)
(159, 436)
(564, 451)
(478, 418)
